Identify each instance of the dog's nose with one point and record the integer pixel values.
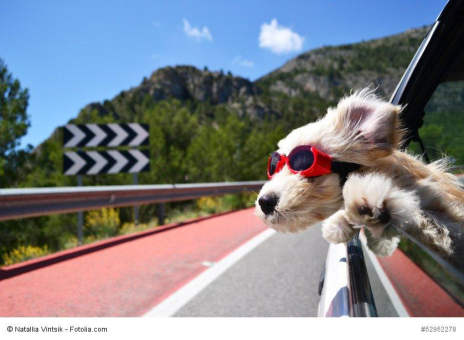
(268, 203)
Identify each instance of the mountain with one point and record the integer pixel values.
(325, 73)
(331, 70)
(186, 84)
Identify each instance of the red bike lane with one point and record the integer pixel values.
(123, 276)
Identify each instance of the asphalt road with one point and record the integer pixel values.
(277, 279)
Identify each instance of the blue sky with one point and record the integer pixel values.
(71, 53)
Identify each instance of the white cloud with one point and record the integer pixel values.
(279, 39)
(239, 60)
(196, 33)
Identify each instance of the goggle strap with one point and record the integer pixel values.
(343, 169)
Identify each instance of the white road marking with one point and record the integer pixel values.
(395, 299)
(172, 304)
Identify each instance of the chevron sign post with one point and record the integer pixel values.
(105, 162)
(111, 135)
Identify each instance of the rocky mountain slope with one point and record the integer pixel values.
(186, 84)
(326, 73)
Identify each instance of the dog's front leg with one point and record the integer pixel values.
(367, 203)
(381, 241)
(336, 229)
(374, 201)
(382, 245)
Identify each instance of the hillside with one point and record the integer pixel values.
(184, 83)
(327, 73)
(332, 70)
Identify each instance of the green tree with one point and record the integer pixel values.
(14, 123)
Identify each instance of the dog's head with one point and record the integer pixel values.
(361, 129)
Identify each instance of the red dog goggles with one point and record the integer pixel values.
(308, 161)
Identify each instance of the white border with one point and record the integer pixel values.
(181, 297)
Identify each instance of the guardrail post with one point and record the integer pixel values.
(80, 217)
(160, 213)
(136, 207)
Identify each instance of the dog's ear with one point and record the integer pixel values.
(369, 120)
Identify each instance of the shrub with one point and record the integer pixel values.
(23, 253)
(102, 223)
(208, 204)
(213, 205)
(130, 228)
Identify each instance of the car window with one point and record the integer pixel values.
(443, 130)
(442, 134)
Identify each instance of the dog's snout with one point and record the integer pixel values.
(268, 203)
(384, 216)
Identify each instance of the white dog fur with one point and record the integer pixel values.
(424, 200)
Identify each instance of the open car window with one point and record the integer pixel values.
(432, 94)
(442, 135)
(442, 132)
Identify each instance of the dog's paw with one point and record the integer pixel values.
(382, 246)
(367, 200)
(372, 214)
(336, 228)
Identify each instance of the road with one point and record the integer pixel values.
(277, 279)
(131, 275)
(124, 276)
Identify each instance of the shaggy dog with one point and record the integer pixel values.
(388, 187)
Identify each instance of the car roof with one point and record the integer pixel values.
(438, 59)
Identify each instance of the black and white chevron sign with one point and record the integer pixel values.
(105, 162)
(88, 135)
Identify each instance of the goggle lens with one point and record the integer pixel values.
(273, 161)
(301, 158)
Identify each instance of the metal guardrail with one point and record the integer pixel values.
(31, 202)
